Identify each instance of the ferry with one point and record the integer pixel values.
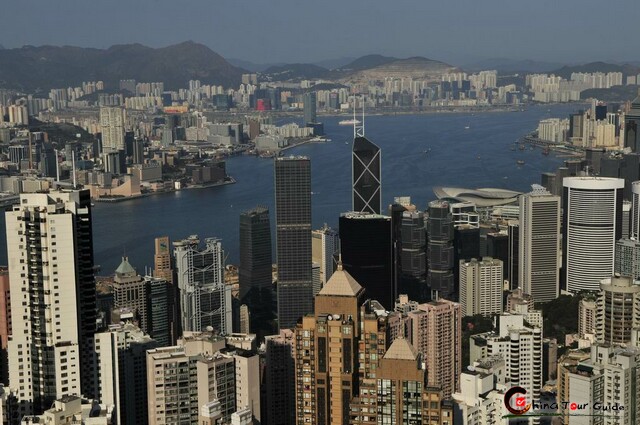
(520, 162)
(349, 122)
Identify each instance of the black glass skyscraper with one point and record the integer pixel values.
(309, 100)
(367, 254)
(293, 239)
(366, 176)
(255, 251)
(631, 124)
(440, 251)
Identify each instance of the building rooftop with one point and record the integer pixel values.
(341, 284)
(125, 267)
(400, 349)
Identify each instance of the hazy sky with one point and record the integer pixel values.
(458, 31)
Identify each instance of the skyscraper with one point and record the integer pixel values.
(255, 252)
(50, 253)
(112, 120)
(435, 330)
(513, 272)
(481, 285)
(336, 348)
(325, 244)
(367, 254)
(121, 378)
(309, 100)
(367, 176)
(163, 270)
(205, 300)
(5, 325)
(413, 255)
(617, 310)
(635, 210)
(280, 378)
(293, 238)
(631, 124)
(539, 244)
(440, 248)
(130, 291)
(592, 222)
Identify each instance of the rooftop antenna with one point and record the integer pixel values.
(73, 165)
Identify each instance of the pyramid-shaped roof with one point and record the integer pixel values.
(341, 283)
(125, 267)
(401, 349)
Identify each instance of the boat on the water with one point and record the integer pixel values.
(545, 151)
(520, 162)
(349, 122)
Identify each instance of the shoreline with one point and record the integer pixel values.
(147, 194)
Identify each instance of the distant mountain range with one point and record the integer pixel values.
(40, 68)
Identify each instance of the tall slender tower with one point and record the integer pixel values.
(293, 239)
(592, 218)
(50, 254)
(539, 244)
(255, 252)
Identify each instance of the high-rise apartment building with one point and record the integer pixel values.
(120, 367)
(205, 300)
(367, 254)
(5, 325)
(519, 344)
(325, 245)
(255, 254)
(280, 379)
(627, 258)
(617, 310)
(293, 241)
(481, 284)
(586, 318)
(112, 125)
(50, 256)
(367, 176)
(201, 369)
(435, 330)
(336, 349)
(513, 271)
(592, 223)
(609, 377)
(539, 244)
(440, 251)
(400, 393)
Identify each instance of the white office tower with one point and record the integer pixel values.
(608, 378)
(481, 284)
(120, 368)
(539, 244)
(520, 346)
(325, 243)
(592, 224)
(617, 310)
(627, 258)
(112, 122)
(50, 256)
(205, 300)
(635, 210)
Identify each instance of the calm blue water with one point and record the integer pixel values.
(406, 171)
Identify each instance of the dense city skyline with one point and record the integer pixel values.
(459, 32)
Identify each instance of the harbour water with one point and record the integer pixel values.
(477, 156)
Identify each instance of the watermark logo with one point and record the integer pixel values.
(519, 405)
(515, 401)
